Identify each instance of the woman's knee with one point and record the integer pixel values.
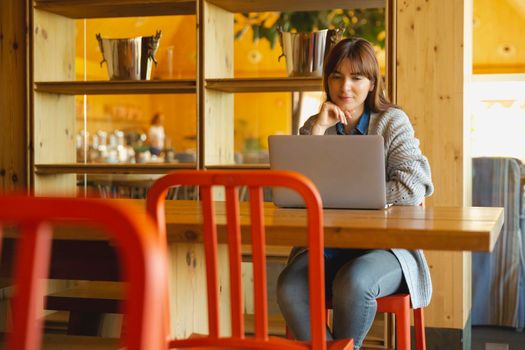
(284, 286)
(292, 283)
(352, 280)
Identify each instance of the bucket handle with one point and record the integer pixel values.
(338, 34)
(334, 39)
(151, 48)
(99, 39)
(280, 30)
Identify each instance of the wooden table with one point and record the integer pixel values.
(84, 254)
(461, 229)
(447, 228)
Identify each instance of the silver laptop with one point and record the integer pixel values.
(349, 171)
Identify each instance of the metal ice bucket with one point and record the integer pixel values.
(129, 59)
(305, 51)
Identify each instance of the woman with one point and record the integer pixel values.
(156, 134)
(355, 278)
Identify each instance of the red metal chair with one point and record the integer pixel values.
(143, 257)
(399, 305)
(254, 180)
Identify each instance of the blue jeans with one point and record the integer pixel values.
(355, 278)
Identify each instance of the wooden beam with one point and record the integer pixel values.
(294, 5)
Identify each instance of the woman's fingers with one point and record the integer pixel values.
(348, 116)
(331, 114)
(343, 116)
(339, 114)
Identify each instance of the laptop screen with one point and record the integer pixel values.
(349, 170)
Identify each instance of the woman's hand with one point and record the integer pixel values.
(329, 115)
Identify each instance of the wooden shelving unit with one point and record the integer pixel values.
(54, 89)
(54, 84)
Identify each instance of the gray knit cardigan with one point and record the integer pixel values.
(408, 181)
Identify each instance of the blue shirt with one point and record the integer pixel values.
(360, 129)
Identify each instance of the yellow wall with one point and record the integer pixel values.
(498, 45)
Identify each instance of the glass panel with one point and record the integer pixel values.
(136, 128)
(257, 49)
(258, 115)
(176, 58)
(498, 100)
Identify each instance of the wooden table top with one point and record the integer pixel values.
(435, 228)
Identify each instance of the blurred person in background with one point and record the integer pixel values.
(156, 134)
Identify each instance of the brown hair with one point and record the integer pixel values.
(156, 119)
(363, 61)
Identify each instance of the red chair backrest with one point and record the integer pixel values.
(254, 180)
(143, 257)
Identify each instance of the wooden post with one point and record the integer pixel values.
(433, 62)
(13, 96)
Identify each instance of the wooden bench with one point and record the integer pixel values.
(88, 301)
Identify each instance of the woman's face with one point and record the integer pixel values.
(348, 90)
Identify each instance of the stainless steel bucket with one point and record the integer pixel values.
(129, 59)
(305, 52)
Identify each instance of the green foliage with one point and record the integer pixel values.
(365, 23)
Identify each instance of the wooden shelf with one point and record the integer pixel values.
(116, 8)
(265, 84)
(117, 87)
(294, 5)
(100, 168)
(239, 167)
(96, 168)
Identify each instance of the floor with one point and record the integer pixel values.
(483, 338)
(497, 338)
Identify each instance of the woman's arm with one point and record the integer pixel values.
(407, 169)
(306, 129)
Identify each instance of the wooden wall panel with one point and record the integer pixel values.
(54, 115)
(433, 70)
(13, 96)
(187, 263)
